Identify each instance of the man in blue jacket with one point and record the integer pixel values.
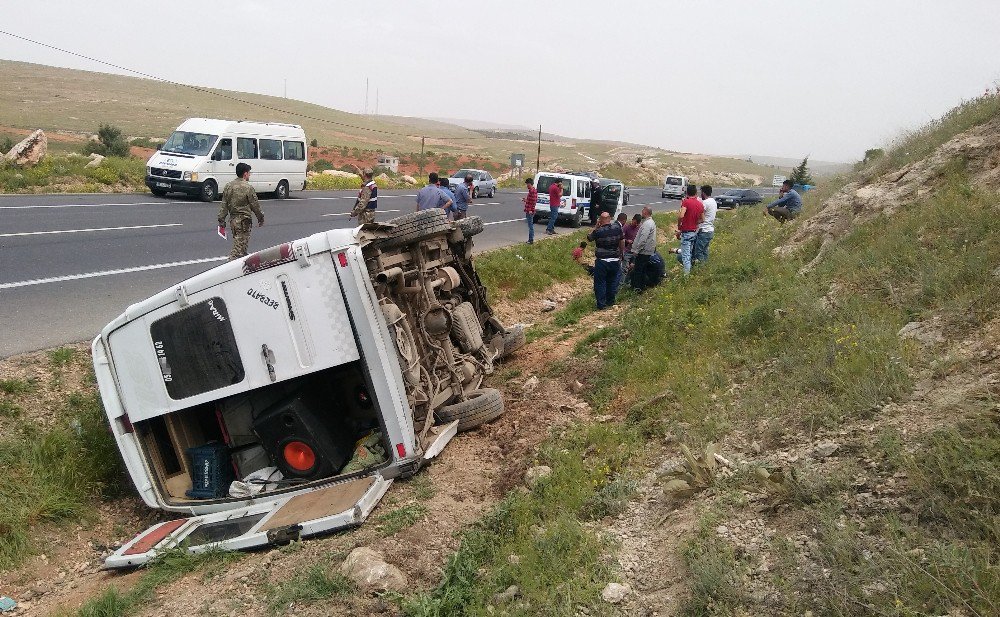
(787, 206)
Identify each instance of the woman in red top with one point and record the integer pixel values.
(529, 209)
(692, 212)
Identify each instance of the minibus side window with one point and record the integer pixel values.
(224, 151)
(270, 149)
(246, 148)
(295, 151)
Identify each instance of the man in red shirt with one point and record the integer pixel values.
(692, 212)
(529, 209)
(555, 200)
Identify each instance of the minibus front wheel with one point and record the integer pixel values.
(209, 191)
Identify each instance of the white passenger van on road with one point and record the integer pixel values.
(575, 200)
(200, 158)
(674, 187)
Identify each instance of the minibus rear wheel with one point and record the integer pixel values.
(282, 191)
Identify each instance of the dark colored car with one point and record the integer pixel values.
(738, 197)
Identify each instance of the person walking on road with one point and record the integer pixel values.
(706, 229)
(463, 197)
(431, 196)
(450, 195)
(643, 246)
(239, 204)
(529, 208)
(787, 206)
(691, 214)
(555, 200)
(610, 242)
(367, 203)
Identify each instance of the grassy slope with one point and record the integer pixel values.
(747, 349)
(37, 96)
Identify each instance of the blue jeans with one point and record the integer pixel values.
(607, 275)
(687, 248)
(553, 215)
(531, 226)
(701, 243)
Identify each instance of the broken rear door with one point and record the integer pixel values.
(322, 509)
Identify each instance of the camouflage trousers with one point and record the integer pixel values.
(241, 228)
(366, 216)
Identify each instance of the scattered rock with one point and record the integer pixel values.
(507, 595)
(409, 179)
(615, 592)
(921, 332)
(530, 384)
(28, 151)
(336, 173)
(383, 178)
(548, 305)
(95, 160)
(576, 387)
(825, 449)
(513, 559)
(367, 568)
(534, 474)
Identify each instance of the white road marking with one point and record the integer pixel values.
(137, 203)
(73, 277)
(489, 203)
(348, 213)
(507, 221)
(76, 231)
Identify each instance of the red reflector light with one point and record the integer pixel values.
(299, 456)
(401, 450)
(573, 205)
(126, 424)
(343, 259)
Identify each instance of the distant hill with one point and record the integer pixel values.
(72, 103)
(818, 168)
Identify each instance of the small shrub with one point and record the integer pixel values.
(320, 165)
(17, 386)
(113, 140)
(314, 143)
(306, 586)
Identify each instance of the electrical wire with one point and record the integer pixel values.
(235, 98)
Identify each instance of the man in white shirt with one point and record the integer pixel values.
(706, 229)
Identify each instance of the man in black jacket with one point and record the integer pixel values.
(610, 242)
(596, 201)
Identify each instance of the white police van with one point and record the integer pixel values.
(575, 205)
(200, 158)
(674, 187)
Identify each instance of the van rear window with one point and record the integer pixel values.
(546, 182)
(196, 349)
(295, 151)
(674, 181)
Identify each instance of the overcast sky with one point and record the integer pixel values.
(780, 77)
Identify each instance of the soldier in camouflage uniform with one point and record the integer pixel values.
(239, 201)
(364, 207)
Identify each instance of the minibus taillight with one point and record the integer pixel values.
(299, 456)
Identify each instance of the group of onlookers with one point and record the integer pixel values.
(439, 194)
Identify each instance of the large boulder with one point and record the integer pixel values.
(368, 570)
(95, 160)
(409, 179)
(336, 173)
(29, 150)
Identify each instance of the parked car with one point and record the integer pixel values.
(280, 395)
(738, 197)
(482, 182)
(674, 187)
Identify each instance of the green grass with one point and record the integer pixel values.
(71, 174)
(307, 586)
(391, 523)
(516, 272)
(17, 386)
(168, 567)
(54, 474)
(537, 540)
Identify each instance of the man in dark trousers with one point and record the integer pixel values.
(644, 246)
(610, 242)
(596, 201)
(787, 206)
(239, 202)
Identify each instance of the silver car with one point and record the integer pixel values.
(482, 182)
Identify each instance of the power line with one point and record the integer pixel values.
(229, 97)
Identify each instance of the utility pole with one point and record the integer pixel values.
(286, 87)
(538, 158)
(422, 155)
(366, 96)
(376, 102)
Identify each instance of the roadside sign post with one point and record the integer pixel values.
(516, 164)
(777, 180)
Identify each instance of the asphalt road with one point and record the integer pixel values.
(69, 264)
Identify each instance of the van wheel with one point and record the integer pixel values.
(470, 226)
(281, 192)
(209, 190)
(415, 226)
(577, 218)
(158, 192)
(513, 339)
(475, 192)
(535, 219)
(480, 407)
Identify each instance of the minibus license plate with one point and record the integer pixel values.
(163, 184)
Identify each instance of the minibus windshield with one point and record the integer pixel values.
(183, 142)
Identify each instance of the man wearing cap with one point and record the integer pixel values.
(367, 203)
(239, 202)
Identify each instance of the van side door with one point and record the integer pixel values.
(222, 165)
(246, 152)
